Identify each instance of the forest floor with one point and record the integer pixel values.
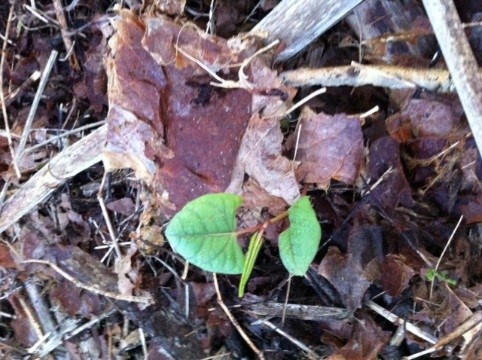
(117, 114)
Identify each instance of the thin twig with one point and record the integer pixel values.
(92, 288)
(64, 134)
(234, 321)
(443, 253)
(69, 45)
(15, 93)
(31, 318)
(295, 341)
(397, 320)
(2, 95)
(305, 100)
(387, 76)
(288, 289)
(105, 213)
(34, 106)
(142, 337)
(466, 326)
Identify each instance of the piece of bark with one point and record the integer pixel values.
(377, 18)
(298, 23)
(460, 61)
(68, 163)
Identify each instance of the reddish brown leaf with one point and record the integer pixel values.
(431, 118)
(366, 342)
(93, 85)
(6, 260)
(394, 189)
(395, 274)
(136, 84)
(329, 147)
(167, 99)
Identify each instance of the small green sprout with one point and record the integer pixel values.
(433, 274)
(204, 233)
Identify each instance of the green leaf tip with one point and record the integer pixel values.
(299, 243)
(204, 233)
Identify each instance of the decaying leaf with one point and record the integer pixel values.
(329, 147)
(177, 131)
(366, 342)
(260, 157)
(349, 273)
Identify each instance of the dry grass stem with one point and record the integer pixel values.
(64, 30)
(105, 213)
(443, 253)
(2, 95)
(34, 106)
(235, 323)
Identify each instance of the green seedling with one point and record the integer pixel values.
(204, 233)
(433, 274)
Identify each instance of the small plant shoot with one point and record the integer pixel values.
(433, 274)
(204, 233)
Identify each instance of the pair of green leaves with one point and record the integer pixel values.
(204, 233)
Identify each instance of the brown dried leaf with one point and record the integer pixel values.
(350, 273)
(329, 147)
(136, 85)
(93, 84)
(260, 157)
(6, 259)
(167, 99)
(345, 276)
(395, 274)
(366, 342)
(394, 189)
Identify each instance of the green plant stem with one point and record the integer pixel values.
(251, 256)
(264, 225)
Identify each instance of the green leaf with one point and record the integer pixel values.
(299, 243)
(203, 232)
(251, 256)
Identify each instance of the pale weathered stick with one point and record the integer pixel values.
(392, 77)
(76, 158)
(297, 23)
(411, 328)
(460, 61)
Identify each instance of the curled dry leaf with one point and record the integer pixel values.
(260, 157)
(329, 147)
(136, 84)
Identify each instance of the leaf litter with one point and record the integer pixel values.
(387, 189)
